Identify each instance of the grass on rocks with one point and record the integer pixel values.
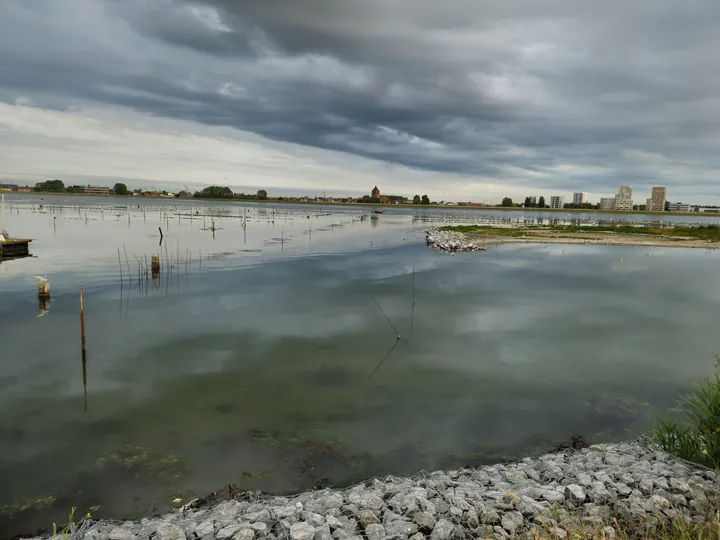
(693, 432)
(709, 232)
(676, 529)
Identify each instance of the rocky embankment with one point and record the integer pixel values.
(450, 242)
(548, 495)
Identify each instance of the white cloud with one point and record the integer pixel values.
(112, 142)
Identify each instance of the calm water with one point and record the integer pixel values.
(249, 361)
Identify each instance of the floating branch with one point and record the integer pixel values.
(386, 318)
(385, 358)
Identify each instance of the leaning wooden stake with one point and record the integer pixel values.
(84, 357)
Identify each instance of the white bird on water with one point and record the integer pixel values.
(41, 279)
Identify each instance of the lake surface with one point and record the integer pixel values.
(248, 360)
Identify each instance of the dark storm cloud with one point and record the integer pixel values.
(567, 95)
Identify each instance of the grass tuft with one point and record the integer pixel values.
(693, 432)
(710, 233)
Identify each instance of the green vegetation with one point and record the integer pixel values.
(694, 432)
(416, 199)
(143, 461)
(51, 186)
(652, 528)
(27, 503)
(507, 202)
(120, 189)
(425, 200)
(214, 192)
(219, 192)
(69, 531)
(709, 232)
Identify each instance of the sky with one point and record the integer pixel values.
(460, 99)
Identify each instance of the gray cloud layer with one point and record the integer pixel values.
(565, 94)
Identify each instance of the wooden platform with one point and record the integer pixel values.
(15, 247)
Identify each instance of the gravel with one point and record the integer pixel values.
(547, 493)
(450, 242)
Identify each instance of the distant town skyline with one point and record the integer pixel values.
(464, 101)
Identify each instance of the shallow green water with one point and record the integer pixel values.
(252, 366)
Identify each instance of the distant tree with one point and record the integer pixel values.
(425, 200)
(667, 206)
(507, 202)
(262, 195)
(416, 199)
(120, 189)
(214, 192)
(55, 186)
(528, 200)
(541, 202)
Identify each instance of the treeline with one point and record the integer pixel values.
(531, 202)
(51, 186)
(219, 192)
(58, 186)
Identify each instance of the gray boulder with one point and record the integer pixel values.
(302, 531)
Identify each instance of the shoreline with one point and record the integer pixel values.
(632, 241)
(452, 241)
(372, 205)
(552, 494)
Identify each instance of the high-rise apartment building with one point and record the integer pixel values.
(557, 202)
(580, 197)
(656, 202)
(623, 198)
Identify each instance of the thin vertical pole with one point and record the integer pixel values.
(84, 353)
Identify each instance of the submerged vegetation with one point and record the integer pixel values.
(143, 462)
(23, 504)
(693, 432)
(709, 232)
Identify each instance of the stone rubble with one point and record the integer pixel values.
(549, 494)
(450, 242)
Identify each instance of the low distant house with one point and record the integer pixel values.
(679, 207)
(383, 198)
(476, 204)
(91, 190)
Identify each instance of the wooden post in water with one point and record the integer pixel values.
(84, 353)
(155, 266)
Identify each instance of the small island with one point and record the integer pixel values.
(475, 237)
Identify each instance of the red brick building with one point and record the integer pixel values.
(375, 192)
